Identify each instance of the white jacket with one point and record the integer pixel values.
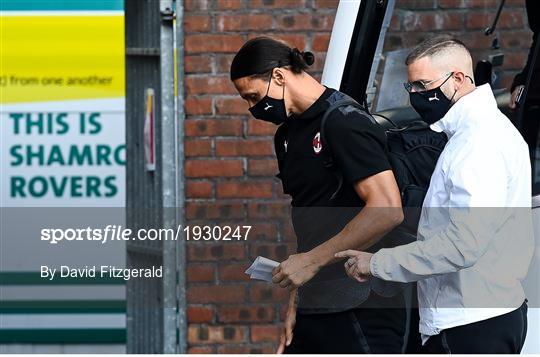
(475, 239)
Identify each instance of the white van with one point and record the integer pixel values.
(362, 63)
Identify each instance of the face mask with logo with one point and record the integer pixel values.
(270, 109)
(431, 104)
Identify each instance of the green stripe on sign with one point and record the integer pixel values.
(34, 278)
(63, 307)
(61, 5)
(63, 336)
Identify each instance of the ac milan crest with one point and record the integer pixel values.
(317, 145)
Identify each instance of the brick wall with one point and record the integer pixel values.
(414, 20)
(230, 162)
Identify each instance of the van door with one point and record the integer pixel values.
(365, 59)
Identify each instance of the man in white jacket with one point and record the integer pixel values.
(475, 238)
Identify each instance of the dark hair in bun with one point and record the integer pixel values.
(259, 56)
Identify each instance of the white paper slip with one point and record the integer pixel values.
(261, 269)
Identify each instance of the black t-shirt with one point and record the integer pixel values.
(358, 148)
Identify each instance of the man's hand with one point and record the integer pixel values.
(290, 321)
(295, 271)
(357, 266)
(513, 98)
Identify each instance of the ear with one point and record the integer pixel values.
(459, 80)
(278, 75)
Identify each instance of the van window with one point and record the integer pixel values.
(497, 57)
(409, 22)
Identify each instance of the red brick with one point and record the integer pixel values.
(278, 252)
(223, 63)
(214, 168)
(475, 40)
(296, 22)
(247, 349)
(205, 84)
(213, 43)
(416, 21)
(263, 292)
(213, 252)
(514, 3)
(516, 40)
(197, 23)
(320, 42)
(326, 4)
(262, 167)
(199, 189)
(214, 210)
(236, 313)
(244, 22)
(269, 209)
(204, 350)
(263, 231)
(247, 189)
(514, 60)
(265, 333)
(288, 232)
(229, 4)
(298, 41)
(276, 4)
(200, 294)
(259, 127)
(198, 148)
(468, 4)
(236, 272)
(197, 64)
(508, 19)
(417, 4)
(200, 273)
(200, 314)
(244, 147)
(198, 106)
(214, 127)
(235, 105)
(215, 334)
(198, 5)
(318, 65)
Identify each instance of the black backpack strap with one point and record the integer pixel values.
(328, 160)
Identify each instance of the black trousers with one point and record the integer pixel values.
(376, 326)
(501, 334)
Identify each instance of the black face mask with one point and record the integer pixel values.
(270, 109)
(432, 104)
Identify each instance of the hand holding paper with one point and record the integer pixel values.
(261, 269)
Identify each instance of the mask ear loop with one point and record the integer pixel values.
(269, 81)
(453, 95)
(472, 82)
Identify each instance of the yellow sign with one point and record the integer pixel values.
(49, 58)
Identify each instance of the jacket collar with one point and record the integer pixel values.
(466, 111)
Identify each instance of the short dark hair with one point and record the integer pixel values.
(260, 55)
(433, 46)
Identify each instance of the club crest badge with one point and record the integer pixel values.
(317, 144)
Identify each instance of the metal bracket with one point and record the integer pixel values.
(167, 14)
(142, 51)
